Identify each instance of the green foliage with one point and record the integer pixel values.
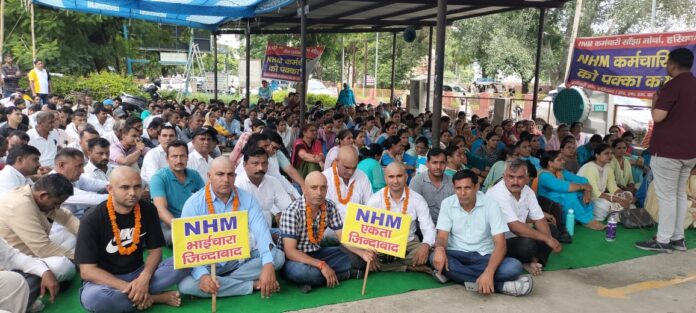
(327, 100)
(100, 85)
(280, 95)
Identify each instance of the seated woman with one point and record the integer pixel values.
(524, 150)
(344, 138)
(537, 148)
(307, 153)
(370, 166)
(606, 195)
(569, 154)
(622, 167)
(653, 207)
(489, 150)
(497, 170)
(393, 151)
(549, 141)
(586, 151)
(567, 189)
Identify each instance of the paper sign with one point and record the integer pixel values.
(376, 229)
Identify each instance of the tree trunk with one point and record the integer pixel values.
(525, 85)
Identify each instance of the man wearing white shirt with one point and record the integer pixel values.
(397, 197)
(249, 121)
(22, 162)
(16, 292)
(43, 139)
(263, 187)
(98, 160)
(156, 158)
(517, 201)
(346, 183)
(86, 135)
(78, 119)
(199, 158)
(100, 120)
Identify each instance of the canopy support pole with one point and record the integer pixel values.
(393, 68)
(537, 65)
(303, 46)
(439, 69)
(430, 62)
(33, 35)
(215, 65)
(2, 26)
(248, 65)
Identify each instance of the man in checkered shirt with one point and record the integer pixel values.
(309, 264)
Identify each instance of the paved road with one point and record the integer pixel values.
(659, 283)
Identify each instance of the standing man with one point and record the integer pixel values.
(397, 197)
(10, 77)
(110, 249)
(241, 277)
(172, 185)
(432, 184)
(39, 81)
(265, 92)
(531, 246)
(470, 246)
(346, 183)
(674, 150)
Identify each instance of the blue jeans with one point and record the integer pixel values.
(236, 278)
(468, 266)
(305, 274)
(101, 298)
(44, 98)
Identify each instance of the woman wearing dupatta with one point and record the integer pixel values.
(307, 155)
(567, 189)
(621, 166)
(607, 197)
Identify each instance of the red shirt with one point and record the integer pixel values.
(674, 136)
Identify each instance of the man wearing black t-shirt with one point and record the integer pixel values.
(115, 278)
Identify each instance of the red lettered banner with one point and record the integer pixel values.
(285, 63)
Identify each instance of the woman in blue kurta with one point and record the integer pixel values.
(567, 189)
(370, 166)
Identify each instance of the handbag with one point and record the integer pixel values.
(636, 218)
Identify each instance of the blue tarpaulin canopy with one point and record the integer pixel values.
(207, 14)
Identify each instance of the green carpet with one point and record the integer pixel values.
(588, 249)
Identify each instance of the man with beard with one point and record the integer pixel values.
(432, 184)
(203, 140)
(112, 239)
(156, 158)
(98, 159)
(22, 162)
(172, 185)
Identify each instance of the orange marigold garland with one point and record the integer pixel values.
(209, 200)
(337, 184)
(310, 222)
(388, 205)
(117, 232)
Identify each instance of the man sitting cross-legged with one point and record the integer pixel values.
(310, 264)
(531, 246)
(397, 197)
(240, 277)
(110, 246)
(470, 245)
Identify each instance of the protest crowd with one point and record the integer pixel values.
(88, 187)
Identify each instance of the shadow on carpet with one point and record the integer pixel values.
(588, 249)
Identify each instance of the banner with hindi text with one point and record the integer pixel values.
(626, 65)
(285, 63)
(208, 239)
(376, 229)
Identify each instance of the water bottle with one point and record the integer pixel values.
(570, 222)
(611, 229)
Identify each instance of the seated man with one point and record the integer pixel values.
(86, 134)
(19, 290)
(432, 184)
(110, 249)
(265, 188)
(22, 163)
(241, 277)
(98, 166)
(28, 229)
(531, 246)
(397, 197)
(129, 149)
(346, 183)
(470, 245)
(199, 157)
(309, 264)
(171, 186)
(42, 137)
(156, 158)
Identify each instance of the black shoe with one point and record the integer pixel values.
(305, 288)
(652, 245)
(565, 238)
(678, 245)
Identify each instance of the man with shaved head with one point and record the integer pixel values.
(110, 245)
(309, 264)
(345, 183)
(398, 198)
(240, 277)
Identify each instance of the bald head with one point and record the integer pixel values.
(221, 162)
(123, 173)
(315, 188)
(395, 168)
(395, 177)
(347, 162)
(126, 188)
(221, 176)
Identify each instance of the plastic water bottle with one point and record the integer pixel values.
(611, 228)
(570, 222)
